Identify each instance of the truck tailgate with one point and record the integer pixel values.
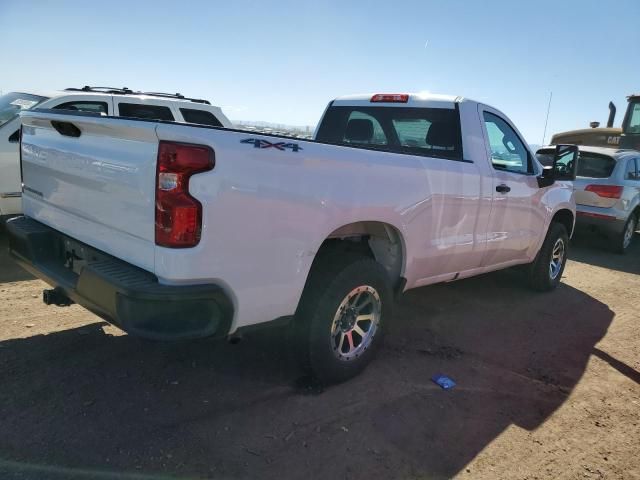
(80, 181)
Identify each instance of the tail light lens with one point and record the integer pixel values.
(178, 214)
(605, 191)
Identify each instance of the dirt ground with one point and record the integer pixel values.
(548, 387)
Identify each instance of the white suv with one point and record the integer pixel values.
(118, 102)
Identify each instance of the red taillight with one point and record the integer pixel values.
(605, 191)
(390, 98)
(178, 214)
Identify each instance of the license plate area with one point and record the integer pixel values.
(77, 255)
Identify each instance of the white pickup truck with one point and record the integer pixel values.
(175, 231)
(119, 102)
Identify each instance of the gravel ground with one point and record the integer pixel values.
(548, 387)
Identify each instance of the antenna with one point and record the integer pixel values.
(544, 134)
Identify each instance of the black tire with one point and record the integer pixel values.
(330, 283)
(541, 276)
(620, 244)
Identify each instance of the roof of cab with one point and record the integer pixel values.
(422, 100)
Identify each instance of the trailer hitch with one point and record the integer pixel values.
(56, 297)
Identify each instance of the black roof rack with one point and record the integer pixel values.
(128, 91)
(175, 95)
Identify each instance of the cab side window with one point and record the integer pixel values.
(145, 111)
(201, 117)
(632, 170)
(84, 106)
(508, 152)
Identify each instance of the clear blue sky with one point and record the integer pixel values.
(282, 61)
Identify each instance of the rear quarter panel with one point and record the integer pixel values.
(267, 211)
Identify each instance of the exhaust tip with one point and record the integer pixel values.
(235, 339)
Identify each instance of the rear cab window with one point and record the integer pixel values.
(145, 111)
(431, 132)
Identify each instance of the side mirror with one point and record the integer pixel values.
(565, 163)
(547, 178)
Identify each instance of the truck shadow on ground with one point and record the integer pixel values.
(596, 251)
(9, 270)
(82, 403)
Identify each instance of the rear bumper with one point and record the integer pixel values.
(10, 204)
(604, 220)
(119, 292)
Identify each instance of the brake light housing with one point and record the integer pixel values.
(178, 215)
(390, 98)
(605, 191)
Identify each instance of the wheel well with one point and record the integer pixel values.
(377, 240)
(564, 217)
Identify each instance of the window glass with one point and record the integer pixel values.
(595, 166)
(84, 106)
(145, 111)
(632, 171)
(14, 137)
(634, 119)
(201, 117)
(368, 129)
(508, 152)
(412, 132)
(590, 165)
(418, 131)
(13, 103)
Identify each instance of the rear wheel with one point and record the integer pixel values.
(546, 271)
(623, 241)
(339, 325)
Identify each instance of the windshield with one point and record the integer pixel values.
(13, 103)
(633, 122)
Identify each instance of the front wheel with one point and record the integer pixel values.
(341, 317)
(546, 270)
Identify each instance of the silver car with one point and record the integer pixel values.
(607, 190)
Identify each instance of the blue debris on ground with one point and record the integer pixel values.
(445, 382)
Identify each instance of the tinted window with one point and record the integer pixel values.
(419, 131)
(634, 118)
(363, 128)
(590, 165)
(93, 107)
(508, 152)
(12, 104)
(632, 170)
(149, 112)
(595, 166)
(201, 117)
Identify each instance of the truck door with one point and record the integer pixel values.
(516, 218)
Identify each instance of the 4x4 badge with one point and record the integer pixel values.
(261, 143)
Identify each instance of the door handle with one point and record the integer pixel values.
(503, 188)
